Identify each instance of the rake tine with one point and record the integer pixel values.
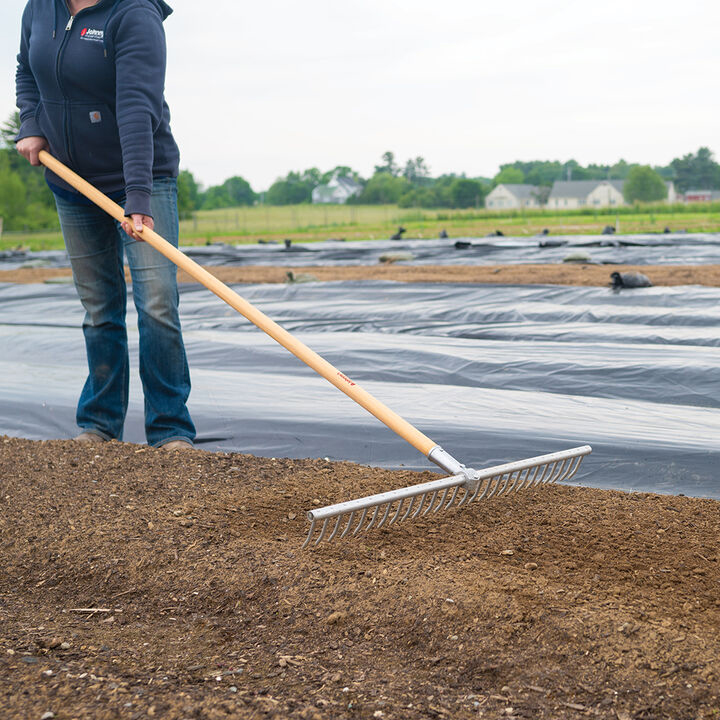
(420, 506)
(347, 527)
(496, 487)
(500, 485)
(538, 478)
(567, 473)
(430, 504)
(501, 488)
(492, 489)
(547, 469)
(385, 516)
(372, 519)
(362, 520)
(576, 468)
(511, 476)
(452, 497)
(557, 468)
(523, 479)
(335, 529)
(322, 531)
(530, 478)
(310, 534)
(465, 497)
(576, 465)
(407, 512)
(518, 475)
(554, 472)
(442, 500)
(512, 479)
(493, 485)
(558, 472)
(519, 480)
(397, 512)
(486, 489)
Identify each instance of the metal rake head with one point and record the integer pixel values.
(396, 506)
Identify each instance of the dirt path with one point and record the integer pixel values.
(557, 274)
(136, 583)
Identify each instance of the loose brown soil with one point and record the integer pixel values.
(137, 583)
(554, 274)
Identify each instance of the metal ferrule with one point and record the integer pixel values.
(448, 463)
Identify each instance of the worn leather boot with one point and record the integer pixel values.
(89, 437)
(175, 445)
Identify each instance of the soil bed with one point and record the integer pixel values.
(138, 583)
(554, 274)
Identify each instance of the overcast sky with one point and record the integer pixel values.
(258, 89)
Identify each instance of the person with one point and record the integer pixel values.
(90, 90)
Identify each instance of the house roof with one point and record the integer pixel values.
(337, 188)
(521, 192)
(580, 189)
(347, 183)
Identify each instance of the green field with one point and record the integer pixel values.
(370, 222)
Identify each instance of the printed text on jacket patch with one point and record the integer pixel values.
(91, 34)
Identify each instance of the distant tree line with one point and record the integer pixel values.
(27, 204)
(412, 185)
(294, 189)
(692, 171)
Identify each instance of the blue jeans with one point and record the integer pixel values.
(95, 244)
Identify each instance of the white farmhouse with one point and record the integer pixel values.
(513, 196)
(570, 194)
(337, 191)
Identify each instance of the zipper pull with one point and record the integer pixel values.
(68, 27)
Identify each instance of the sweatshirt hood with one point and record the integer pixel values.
(162, 7)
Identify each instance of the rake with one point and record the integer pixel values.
(463, 486)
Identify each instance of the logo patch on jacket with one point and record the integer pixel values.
(95, 117)
(93, 35)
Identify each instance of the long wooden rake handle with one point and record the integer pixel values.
(321, 366)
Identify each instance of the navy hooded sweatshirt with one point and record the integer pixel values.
(93, 86)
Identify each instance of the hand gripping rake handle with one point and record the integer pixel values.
(321, 366)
